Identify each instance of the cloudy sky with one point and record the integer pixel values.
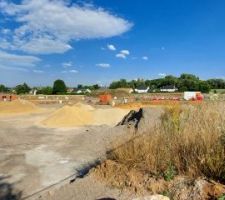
(99, 41)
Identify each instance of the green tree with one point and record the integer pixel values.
(204, 86)
(216, 83)
(189, 76)
(79, 86)
(95, 87)
(3, 88)
(59, 87)
(139, 83)
(45, 90)
(169, 80)
(188, 82)
(22, 89)
(122, 83)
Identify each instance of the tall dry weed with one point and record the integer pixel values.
(190, 140)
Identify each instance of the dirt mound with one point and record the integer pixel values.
(82, 114)
(84, 106)
(68, 116)
(17, 107)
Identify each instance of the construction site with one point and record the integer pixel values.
(49, 144)
(112, 100)
(44, 145)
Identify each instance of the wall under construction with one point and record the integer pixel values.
(7, 97)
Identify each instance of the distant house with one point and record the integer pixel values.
(141, 89)
(168, 88)
(83, 91)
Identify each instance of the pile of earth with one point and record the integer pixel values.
(17, 107)
(82, 114)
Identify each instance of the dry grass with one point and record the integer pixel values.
(189, 141)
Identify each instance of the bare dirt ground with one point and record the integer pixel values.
(35, 158)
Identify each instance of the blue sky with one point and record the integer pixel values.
(100, 41)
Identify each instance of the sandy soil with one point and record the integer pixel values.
(18, 107)
(83, 115)
(87, 188)
(35, 157)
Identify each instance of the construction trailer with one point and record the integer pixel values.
(7, 97)
(193, 96)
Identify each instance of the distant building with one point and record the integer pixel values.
(83, 91)
(141, 89)
(33, 92)
(168, 88)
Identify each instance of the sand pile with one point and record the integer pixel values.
(81, 115)
(17, 107)
(68, 116)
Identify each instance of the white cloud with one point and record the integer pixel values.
(162, 74)
(67, 64)
(13, 68)
(120, 55)
(111, 47)
(73, 71)
(69, 71)
(44, 46)
(145, 57)
(5, 31)
(47, 26)
(38, 71)
(125, 52)
(14, 60)
(103, 65)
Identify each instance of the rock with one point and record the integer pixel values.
(153, 197)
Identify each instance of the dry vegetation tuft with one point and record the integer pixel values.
(190, 141)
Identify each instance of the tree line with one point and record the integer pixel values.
(59, 88)
(185, 82)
